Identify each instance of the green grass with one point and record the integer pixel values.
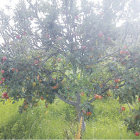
(108, 122)
(58, 121)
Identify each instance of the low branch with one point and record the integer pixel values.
(66, 101)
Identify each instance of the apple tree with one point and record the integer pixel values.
(70, 50)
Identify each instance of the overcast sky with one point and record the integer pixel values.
(12, 4)
(7, 2)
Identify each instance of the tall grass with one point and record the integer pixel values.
(58, 121)
(108, 122)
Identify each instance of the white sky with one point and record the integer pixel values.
(7, 2)
(12, 4)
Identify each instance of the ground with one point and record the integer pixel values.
(58, 121)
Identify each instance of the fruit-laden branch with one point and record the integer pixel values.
(93, 99)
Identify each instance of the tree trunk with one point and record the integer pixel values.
(80, 114)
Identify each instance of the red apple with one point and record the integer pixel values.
(124, 52)
(117, 80)
(96, 96)
(88, 113)
(5, 95)
(4, 58)
(139, 99)
(16, 70)
(100, 97)
(108, 38)
(137, 133)
(123, 108)
(121, 52)
(100, 34)
(59, 59)
(82, 93)
(84, 47)
(1, 82)
(36, 62)
(13, 69)
(18, 37)
(2, 71)
(55, 87)
(3, 79)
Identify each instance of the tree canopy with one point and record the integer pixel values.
(70, 49)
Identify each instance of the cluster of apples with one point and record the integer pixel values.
(101, 35)
(118, 80)
(55, 87)
(2, 79)
(123, 109)
(4, 58)
(96, 96)
(25, 105)
(124, 51)
(36, 62)
(19, 36)
(3, 71)
(88, 113)
(5, 95)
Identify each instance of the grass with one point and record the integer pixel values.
(108, 122)
(58, 121)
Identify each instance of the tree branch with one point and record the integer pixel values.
(66, 101)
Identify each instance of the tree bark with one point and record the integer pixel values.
(80, 114)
